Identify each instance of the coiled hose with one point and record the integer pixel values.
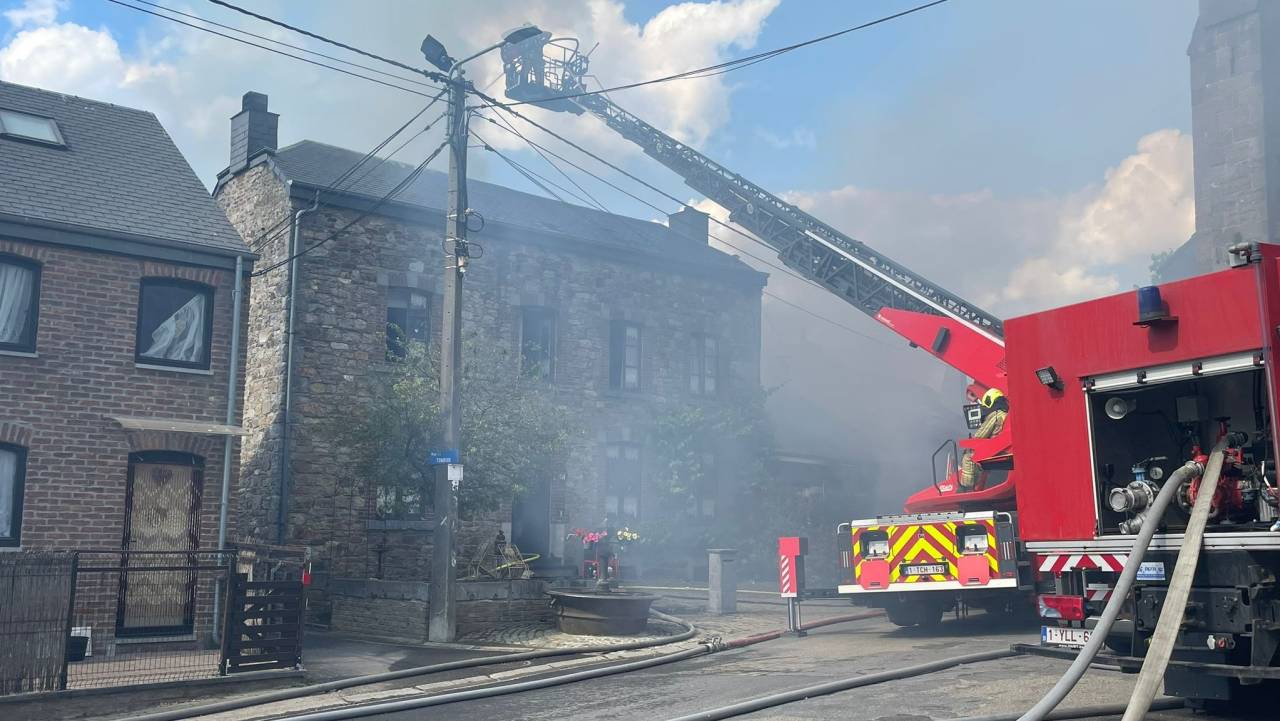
(1185, 473)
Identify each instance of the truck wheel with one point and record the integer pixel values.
(907, 615)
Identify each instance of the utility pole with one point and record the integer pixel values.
(442, 619)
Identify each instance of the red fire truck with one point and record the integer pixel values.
(1106, 399)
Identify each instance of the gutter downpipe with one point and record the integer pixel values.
(282, 521)
(233, 385)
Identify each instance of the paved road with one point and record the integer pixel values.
(835, 652)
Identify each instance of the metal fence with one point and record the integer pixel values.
(35, 600)
(91, 619)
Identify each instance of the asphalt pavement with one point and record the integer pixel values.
(826, 654)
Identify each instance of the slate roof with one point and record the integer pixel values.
(119, 172)
(317, 164)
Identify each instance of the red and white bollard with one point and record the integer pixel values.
(791, 552)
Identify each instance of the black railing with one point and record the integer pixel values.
(99, 618)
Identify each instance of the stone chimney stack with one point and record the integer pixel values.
(253, 129)
(689, 225)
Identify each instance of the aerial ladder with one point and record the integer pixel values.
(552, 73)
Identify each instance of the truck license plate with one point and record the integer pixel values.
(1070, 637)
(925, 569)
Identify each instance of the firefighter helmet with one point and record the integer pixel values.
(991, 397)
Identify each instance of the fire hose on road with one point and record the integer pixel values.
(355, 712)
(704, 648)
(1188, 555)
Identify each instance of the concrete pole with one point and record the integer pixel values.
(442, 622)
(722, 583)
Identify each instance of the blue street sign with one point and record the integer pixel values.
(444, 457)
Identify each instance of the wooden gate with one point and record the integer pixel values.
(264, 625)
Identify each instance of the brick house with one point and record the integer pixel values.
(624, 317)
(117, 272)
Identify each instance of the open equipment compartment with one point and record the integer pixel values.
(1144, 425)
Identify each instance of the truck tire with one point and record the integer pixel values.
(909, 614)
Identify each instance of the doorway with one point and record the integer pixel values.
(162, 512)
(531, 521)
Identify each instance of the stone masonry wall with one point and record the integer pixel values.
(1228, 121)
(59, 402)
(256, 204)
(339, 357)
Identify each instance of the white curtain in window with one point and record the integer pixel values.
(8, 477)
(181, 337)
(15, 301)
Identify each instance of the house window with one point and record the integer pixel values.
(13, 466)
(19, 304)
(408, 320)
(624, 356)
(538, 342)
(24, 126)
(703, 501)
(622, 482)
(175, 324)
(704, 364)
(400, 503)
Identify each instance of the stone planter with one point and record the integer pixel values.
(601, 613)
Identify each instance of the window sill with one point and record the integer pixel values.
(174, 369)
(139, 640)
(20, 353)
(399, 525)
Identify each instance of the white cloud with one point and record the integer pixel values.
(1018, 254)
(797, 138)
(74, 59)
(193, 81)
(35, 12)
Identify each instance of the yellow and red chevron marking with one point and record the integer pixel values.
(921, 543)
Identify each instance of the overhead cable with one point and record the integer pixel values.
(277, 51)
(390, 195)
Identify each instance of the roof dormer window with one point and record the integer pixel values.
(34, 128)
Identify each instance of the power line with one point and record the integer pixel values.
(300, 48)
(645, 183)
(406, 182)
(277, 51)
(429, 73)
(557, 168)
(721, 68)
(517, 167)
(539, 180)
(276, 230)
(781, 268)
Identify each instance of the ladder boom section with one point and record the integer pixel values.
(860, 275)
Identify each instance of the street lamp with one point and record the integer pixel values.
(442, 621)
(433, 50)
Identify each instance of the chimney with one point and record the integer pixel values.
(253, 129)
(689, 225)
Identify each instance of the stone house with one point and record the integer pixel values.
(117, 274)
(624, 317)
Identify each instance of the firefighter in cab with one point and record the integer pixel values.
(995, 409)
